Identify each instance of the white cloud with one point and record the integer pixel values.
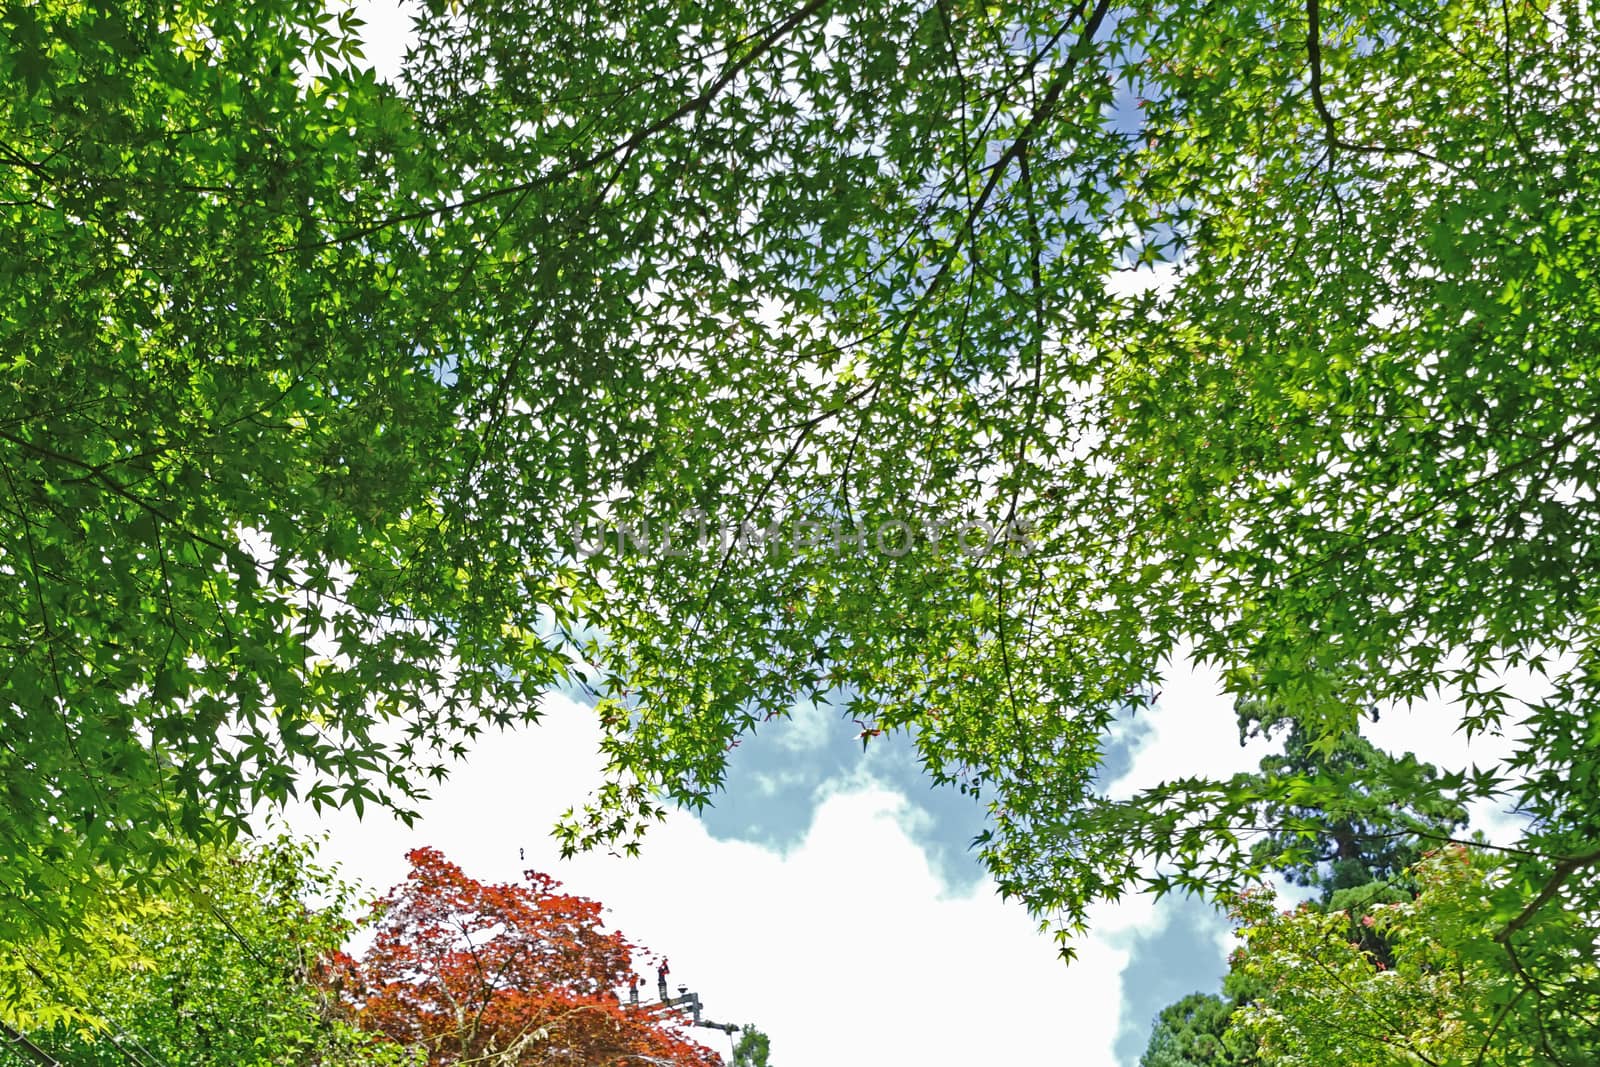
(387, 33)
(1193, 732)
(807, 727)
(1155, 278)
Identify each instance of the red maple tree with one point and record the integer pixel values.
(506, 974)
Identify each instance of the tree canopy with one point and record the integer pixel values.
(228, 975)
(220, 450)
(1461, 986)
(1191, 1032)
(1391, 809)
(466, 973)
(1360, 858)
(753, 1048)
(964, 364)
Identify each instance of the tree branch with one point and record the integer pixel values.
(697, 104)
(28, 1048)
(1320, 103)
(1558, 877)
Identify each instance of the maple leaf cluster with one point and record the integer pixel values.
(505, 974)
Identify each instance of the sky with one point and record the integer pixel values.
(829, 897)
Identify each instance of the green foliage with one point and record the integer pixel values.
(1356, 851)
(1193, 1033)
(1468, 982)
(234, 572)
(310, 381)
(230, 973)
(42, 977)
(1369, 815)
(1343, 458)
(752, 1049)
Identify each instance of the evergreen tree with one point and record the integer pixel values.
(1191, 1033)
(1355, 842)
(1367, 816)
(752, 1049)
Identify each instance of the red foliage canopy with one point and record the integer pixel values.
(506, 975)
